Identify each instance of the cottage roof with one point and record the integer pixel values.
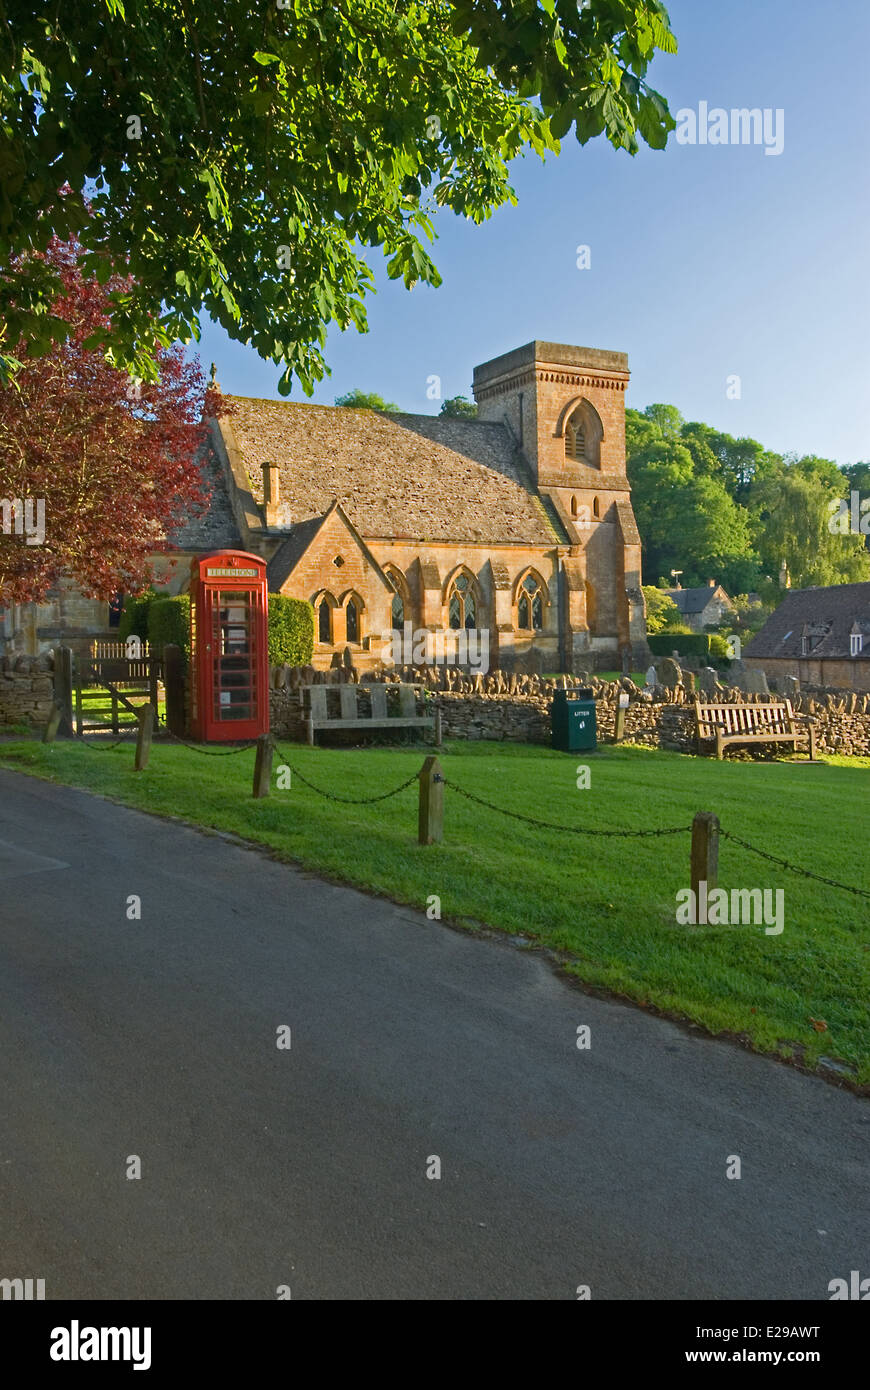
(420, 477)
(695, 600)
(825, 616)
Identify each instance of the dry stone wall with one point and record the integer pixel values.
(26, 690)
(516, 708)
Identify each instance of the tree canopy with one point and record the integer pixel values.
(111, 461)
(717, 507)
(460, 407)
(365, 400)
(241, 160)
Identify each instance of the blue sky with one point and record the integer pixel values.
(707, 261)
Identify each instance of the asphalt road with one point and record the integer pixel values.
(306, 1166)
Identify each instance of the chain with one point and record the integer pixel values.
(784, 864)
(195, 748)
(346, 800)
(567, 829)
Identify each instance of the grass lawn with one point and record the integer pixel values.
(608, 903)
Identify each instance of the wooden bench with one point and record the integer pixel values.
(767, 723)
(315, 714)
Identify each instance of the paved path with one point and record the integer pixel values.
(307, 1166)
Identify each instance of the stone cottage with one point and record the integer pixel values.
(820, 635)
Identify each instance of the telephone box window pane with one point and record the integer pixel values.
(234, 667)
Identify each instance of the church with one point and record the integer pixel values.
(517, 524)
(515, 527)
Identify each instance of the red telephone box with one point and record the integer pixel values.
(229, 611)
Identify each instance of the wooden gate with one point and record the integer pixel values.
(115, 676)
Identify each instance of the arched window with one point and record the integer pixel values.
(596, 509)
(400, 605)
(324, 621)
(352, 620)
(461, 604)
(583, 432)
(575, 437)
(574, 508)
(530, 604)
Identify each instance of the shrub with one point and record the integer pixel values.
(134, 616)
(291, 631)
(660, 609)
(169, 621)
(720, 654)
(687, 644)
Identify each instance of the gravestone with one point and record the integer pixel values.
(669, 673)
(791, 687)
(708, 680)
(756, 683)
(652, 679)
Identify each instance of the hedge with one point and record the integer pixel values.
(291, 631)
(134, 616)
(169, 621)
(686, 643)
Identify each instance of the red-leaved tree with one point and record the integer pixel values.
(105, 463)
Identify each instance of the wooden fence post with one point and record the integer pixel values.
(143, 740)
(705, 851)
(51, 728)
(812, 730)
(173, 686)
(63, 689)
(621, 707)
(431, 806)
(153, 667)
(263, 766)
(114, 693)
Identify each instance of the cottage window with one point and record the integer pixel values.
(856, 643)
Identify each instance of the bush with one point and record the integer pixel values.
(720, 654)
(134, 616)
(687, 644)
(291, 631)
(660, 609)
(169, 621)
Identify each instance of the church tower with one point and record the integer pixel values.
(565, 407)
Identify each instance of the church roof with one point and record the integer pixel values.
(215, 528)
(416, 477)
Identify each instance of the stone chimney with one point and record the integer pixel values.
(711, 583)
(784, 576)
(271, 493)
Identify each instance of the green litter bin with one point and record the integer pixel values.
(572, 721)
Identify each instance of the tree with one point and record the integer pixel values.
(365, 400)
(661, 611)
(240, 160)
(459, 407)
(791, 514)
(113, 461)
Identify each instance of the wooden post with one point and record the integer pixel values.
(622, 706)
(115, 729)
(153, 665)
(812, 728)
(431, 806)
(173, 685)
(63, 689)
(51, 728)
(438, 739)
(263, 766)
(143, 740)
(80, 718)
(705, 851)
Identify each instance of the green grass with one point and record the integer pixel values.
(608, 903)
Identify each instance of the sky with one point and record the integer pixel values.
(707, 262)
